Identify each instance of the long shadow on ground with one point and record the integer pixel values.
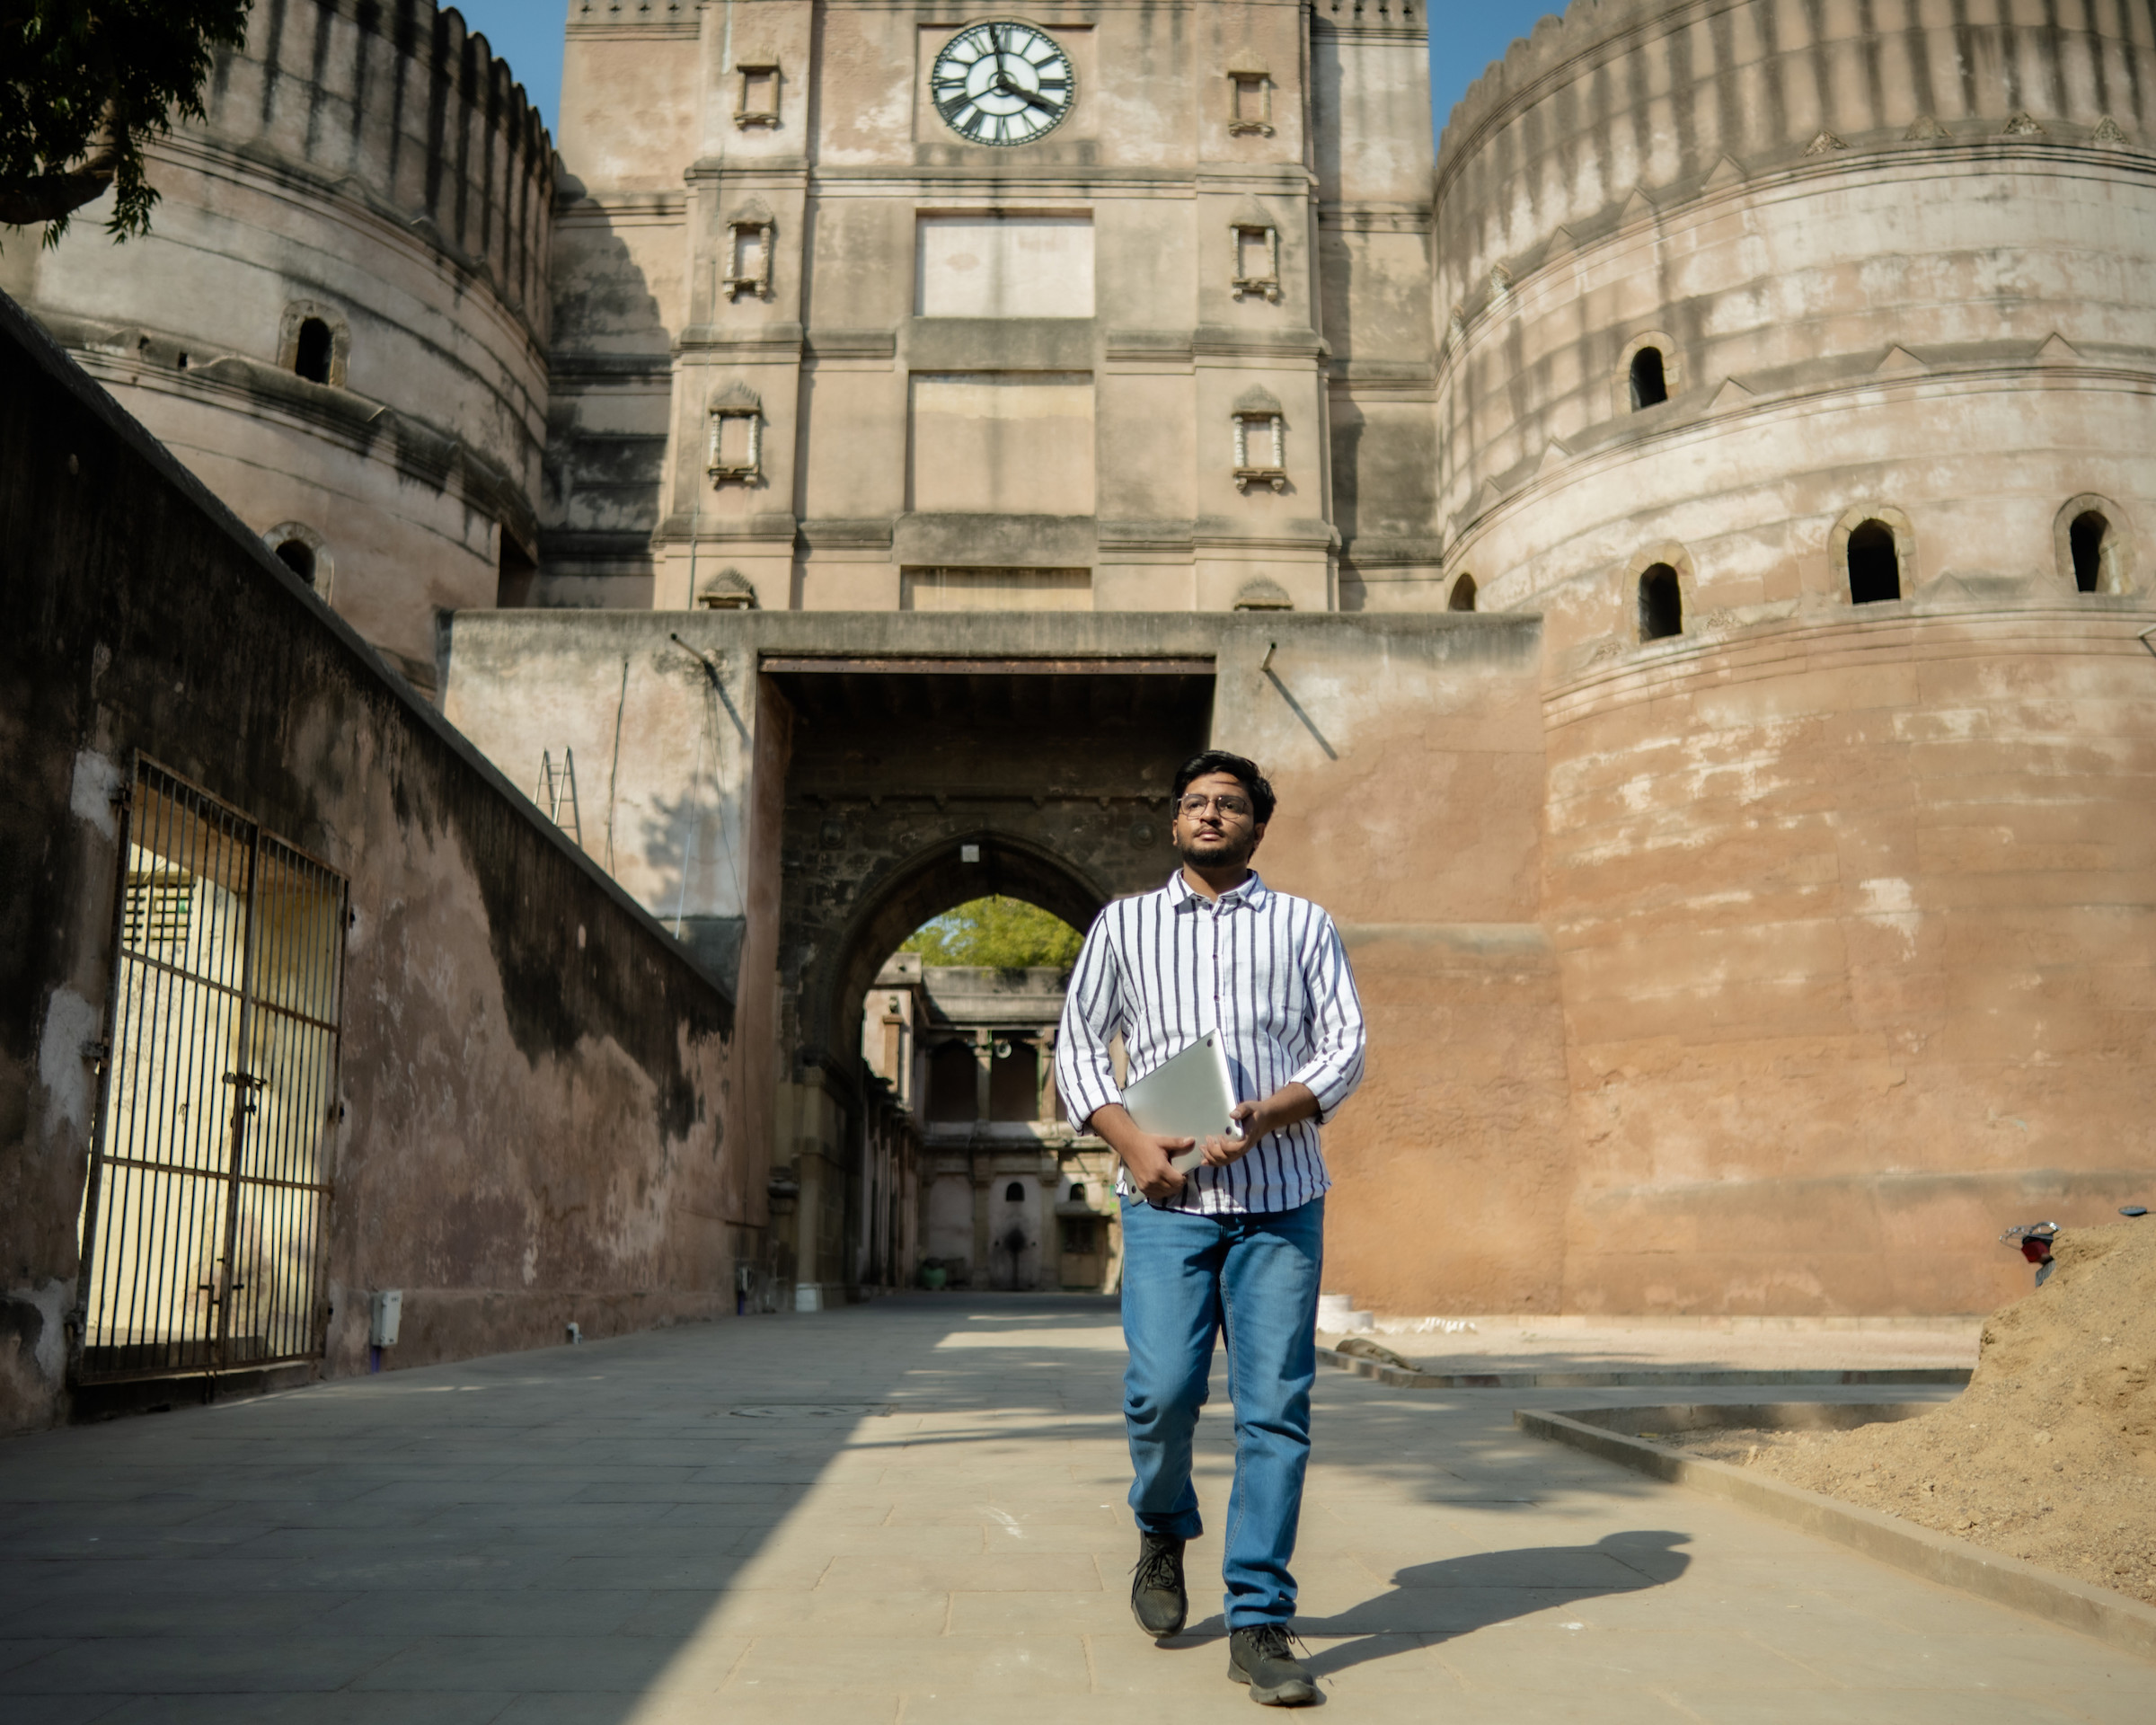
(550, 1535)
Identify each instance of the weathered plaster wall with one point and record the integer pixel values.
(542, 1116)
(1850, 905)
(1858, 932)
(375, 166)
(1409, 763)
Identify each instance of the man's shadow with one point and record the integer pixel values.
(1432, 1602)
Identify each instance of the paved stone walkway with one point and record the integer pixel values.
(910, 1512)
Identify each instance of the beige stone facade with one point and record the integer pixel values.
(1115, 368)
(1682, 552)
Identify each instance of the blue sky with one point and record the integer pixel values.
(1464, 38)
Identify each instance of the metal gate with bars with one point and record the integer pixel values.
(203, 1228)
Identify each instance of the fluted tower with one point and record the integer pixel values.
(1796, 367)
(340, 318)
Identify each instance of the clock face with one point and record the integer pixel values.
(1002, 83)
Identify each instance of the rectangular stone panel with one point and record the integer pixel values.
(1005, 266)
(1001, 443)
(995, 589)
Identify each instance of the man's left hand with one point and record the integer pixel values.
(1220, 1152)
(1284, 1107)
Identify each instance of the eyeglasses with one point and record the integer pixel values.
(1196, 804)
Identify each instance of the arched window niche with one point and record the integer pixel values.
(313, 342)
(1658, 591)
(2094, 545)
(300, 549)
(1462, 598)
(1649, 372)
(1661, 603)
(312, 360)
(1649, 387)
(1873, 551)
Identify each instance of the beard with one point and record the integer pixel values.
(1226, 851)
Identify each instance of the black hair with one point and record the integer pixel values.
(1218, 760)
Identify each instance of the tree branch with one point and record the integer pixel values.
(48, 197)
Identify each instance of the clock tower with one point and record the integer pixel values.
(1114, 305)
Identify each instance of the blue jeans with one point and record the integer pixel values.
(1255, 1279)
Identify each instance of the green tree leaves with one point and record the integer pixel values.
(83, 86)
(1001, 933)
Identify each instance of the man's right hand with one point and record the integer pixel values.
(1145, 1155)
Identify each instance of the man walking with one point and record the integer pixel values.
(1236, 1245)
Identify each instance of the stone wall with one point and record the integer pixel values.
(1851, 903)
(1409, 756)
(542, 1116)
(375, 167)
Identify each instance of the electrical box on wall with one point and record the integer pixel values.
(388, 1308)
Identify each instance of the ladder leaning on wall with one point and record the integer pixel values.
(558, 790)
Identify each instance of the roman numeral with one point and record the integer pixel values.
(970, 123)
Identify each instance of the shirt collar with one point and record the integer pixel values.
(1182, 896)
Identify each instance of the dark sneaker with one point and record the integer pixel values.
(1260, 1658)
(1157, 1599)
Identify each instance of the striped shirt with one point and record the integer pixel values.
(1264, 968)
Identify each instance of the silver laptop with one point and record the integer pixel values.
(1188, 1096)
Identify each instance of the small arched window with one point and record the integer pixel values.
(2093, 538)
(298, 556)
(2085, 541)
(1463, 595)
(1875, 566)
(299, 548)
(1650, 386)
(1661, 603)
(1077, 1191)
(311, 357)
(1014, 1193)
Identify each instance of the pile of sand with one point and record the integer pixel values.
(2049, 1454)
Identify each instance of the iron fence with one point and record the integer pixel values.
(203, 1227)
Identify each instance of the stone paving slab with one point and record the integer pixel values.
(913, 1512)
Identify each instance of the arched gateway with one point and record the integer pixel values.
(914, 784)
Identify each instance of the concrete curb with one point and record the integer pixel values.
(1643, 1377)
(2111, 1617)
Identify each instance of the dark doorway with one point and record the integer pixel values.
(2085, 539)
(1875, 565)
(516, 571)
(1649, 386)
(953, 1083)
(298, 556)
(1014, 1082)
(1661, 603)
(311, 360)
